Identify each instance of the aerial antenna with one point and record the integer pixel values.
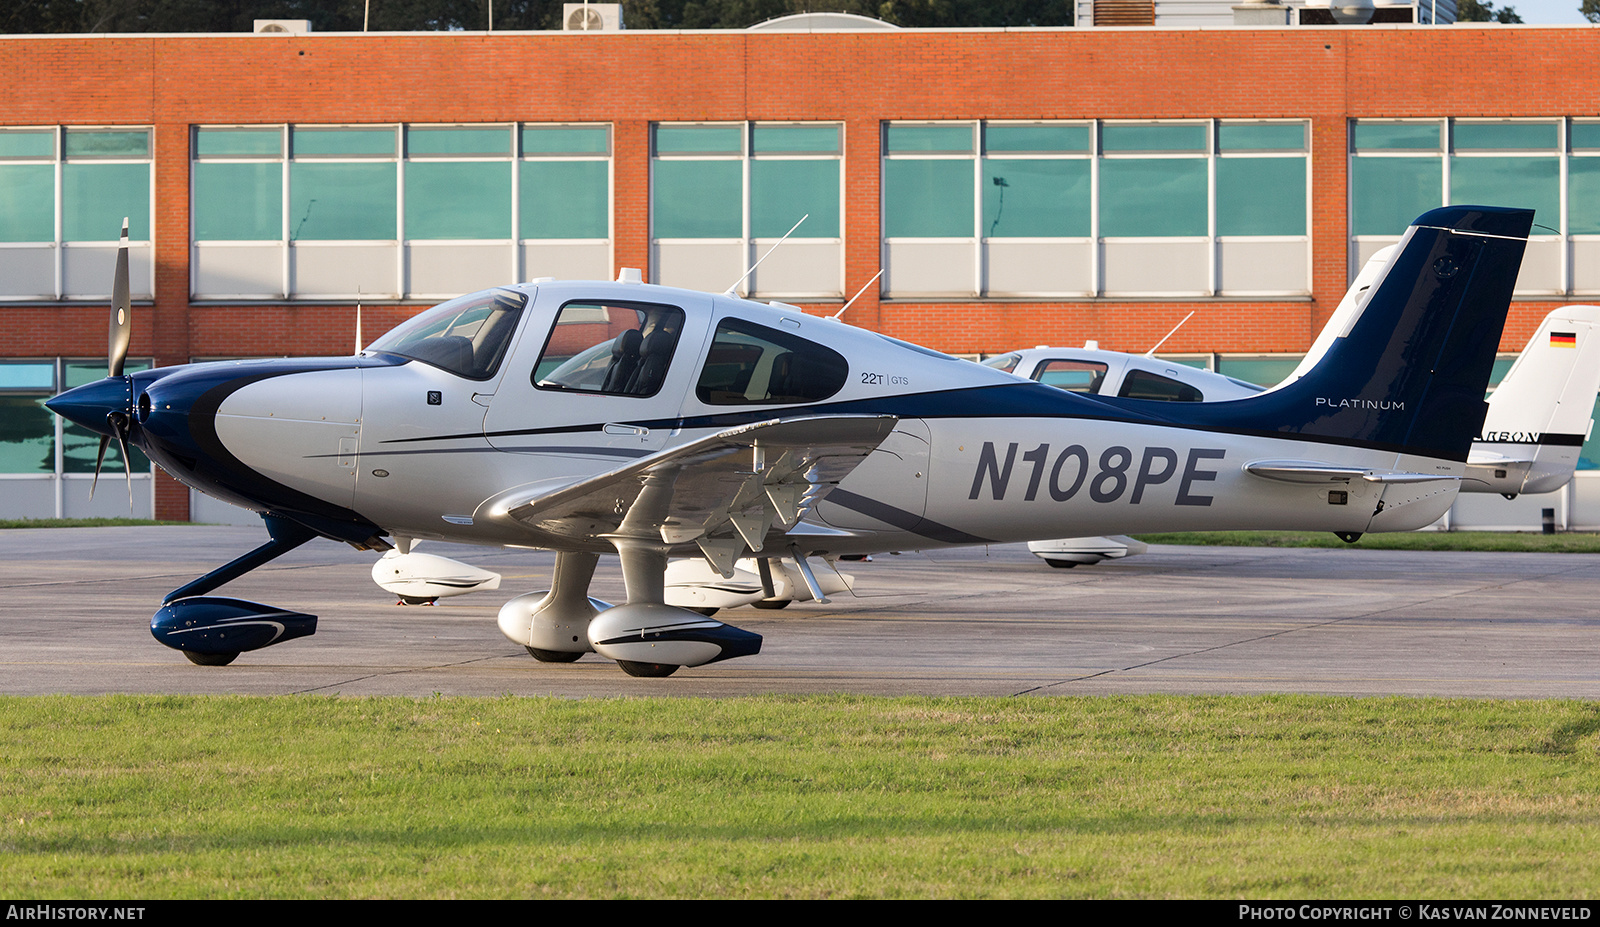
(1152, 351)
(358, 318)
(730, 290)
(858, 294)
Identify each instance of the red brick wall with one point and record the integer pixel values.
(1326, 74)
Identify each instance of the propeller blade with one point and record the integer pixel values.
(99, 459)
(121, 310)
(119, 423)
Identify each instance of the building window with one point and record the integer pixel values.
(723, 194)
(47, 463)
(63, 195)
(1053, 209)
(1400, 169)
(415, 211)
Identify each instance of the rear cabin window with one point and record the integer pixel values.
(1072, 375)
(751, 364)
(1140, 384)
(617, 349)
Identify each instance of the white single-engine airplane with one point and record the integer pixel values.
(591, 418)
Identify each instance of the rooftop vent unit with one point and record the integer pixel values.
(300, 26)
(591, 17)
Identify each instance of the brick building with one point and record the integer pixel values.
(1017, 187)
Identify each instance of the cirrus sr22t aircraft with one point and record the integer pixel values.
(595, 418)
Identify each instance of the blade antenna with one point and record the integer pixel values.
(358, 319)
(730, 291)
(1152, 351)
(853, 299)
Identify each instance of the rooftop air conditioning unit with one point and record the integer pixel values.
(283, 25)
(591, 17)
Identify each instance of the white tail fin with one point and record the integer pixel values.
(1543, 410)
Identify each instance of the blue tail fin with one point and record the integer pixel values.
(1410, 373)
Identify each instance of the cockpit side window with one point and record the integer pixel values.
(1141, 384)
(617, 349)
(751, 364)
(467, 336)
(1075, 376)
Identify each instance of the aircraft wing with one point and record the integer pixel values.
(722, 492)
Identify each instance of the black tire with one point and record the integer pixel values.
(772, 603)
(555, 656)
(708, 612)
(647, 670)
(418, 600)
(1062, 564)
(211, 659)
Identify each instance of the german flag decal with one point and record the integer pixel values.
(1563, 339)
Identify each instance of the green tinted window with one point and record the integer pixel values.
(1261, 196)
(564, 199)
(1585, 135)
(96, 197)
(927, 198)
(1024, 198)
(27, 435)
(1154, 198)
(342, 202)
(458, 199)
(1502, 366)
(1507, 136)
(563, 140)
(120, 144)
(238, 143)
(700, 139)
(1261, 136)
(783, 191)
(1153, 136)
(1402, 136)
(492, 140)
(35, 143)
(1072, 138)
(28, 202)
(238, 202)
(1524, 182)
(699, 199)
(1262, 371)
(1583, 196)
(956, 138)
(795, 139)
(1589, 457)
(344, 142)
(1387, 194)
(28, 376)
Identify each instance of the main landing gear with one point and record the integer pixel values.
(646, 636)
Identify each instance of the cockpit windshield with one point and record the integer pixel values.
(467, 336)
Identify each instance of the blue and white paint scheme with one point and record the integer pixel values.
(597, 418)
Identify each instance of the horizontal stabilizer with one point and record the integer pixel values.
(1310, 471)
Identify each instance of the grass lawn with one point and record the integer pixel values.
(1151, 796)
